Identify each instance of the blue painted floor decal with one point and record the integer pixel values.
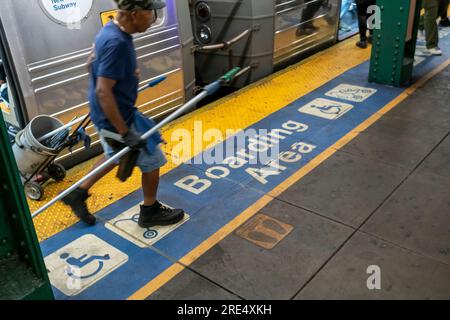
(305, 137)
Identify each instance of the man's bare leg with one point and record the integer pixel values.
(91, 181)
(150, 182)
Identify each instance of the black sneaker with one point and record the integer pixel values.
(76, 200)
(444, 22)
(361, 44)
(159, 215)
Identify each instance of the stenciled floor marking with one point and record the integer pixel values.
(126, 226)
(227, 198)
(72, 272)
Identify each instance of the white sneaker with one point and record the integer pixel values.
(435, 51)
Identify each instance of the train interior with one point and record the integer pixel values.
(348, 16)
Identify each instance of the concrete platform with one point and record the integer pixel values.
(381, 202)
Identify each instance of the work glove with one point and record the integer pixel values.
(133, 140)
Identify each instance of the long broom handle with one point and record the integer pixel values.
(121, 153)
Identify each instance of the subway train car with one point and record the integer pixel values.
(259, 35)
(45, 45)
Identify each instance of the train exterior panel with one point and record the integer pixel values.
(279, 32)
(218, 21)
(49, 58)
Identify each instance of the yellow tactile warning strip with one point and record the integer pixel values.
(234, 112)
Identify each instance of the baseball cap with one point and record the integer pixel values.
(130, 5)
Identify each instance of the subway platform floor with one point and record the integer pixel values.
(355, 207)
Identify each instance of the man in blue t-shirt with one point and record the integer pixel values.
(113, 91)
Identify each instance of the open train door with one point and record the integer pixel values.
(10, 102)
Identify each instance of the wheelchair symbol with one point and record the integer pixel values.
(330, 109)
(79, 263)
(148, 233)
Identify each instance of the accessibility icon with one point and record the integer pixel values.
(126, 226)
(81, 263)
(351, 93)
(327, 109)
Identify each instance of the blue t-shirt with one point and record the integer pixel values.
(115, 58)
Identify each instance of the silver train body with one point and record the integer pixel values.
(259, 35)
(194, 41)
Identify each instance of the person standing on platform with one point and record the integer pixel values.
(113, 93)
(430, 25)
(362, 7)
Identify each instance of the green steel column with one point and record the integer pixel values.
(394, 44)
(22, 270)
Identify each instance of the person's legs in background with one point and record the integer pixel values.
(361, 7)
(443, 13)
(421, 35)
(431, 27)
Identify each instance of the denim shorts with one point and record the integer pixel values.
(146, 162)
